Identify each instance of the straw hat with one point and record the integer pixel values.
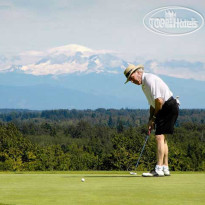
(131, 69)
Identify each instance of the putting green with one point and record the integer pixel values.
(100, 188)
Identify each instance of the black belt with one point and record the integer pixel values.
(171, 98)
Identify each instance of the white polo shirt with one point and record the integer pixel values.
(154, 87)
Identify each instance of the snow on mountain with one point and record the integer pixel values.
(70, 59)
(77, 59)
(70, 50)
(74, 76)
(178, 69)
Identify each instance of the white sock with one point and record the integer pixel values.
(158, 167)
(165, 167)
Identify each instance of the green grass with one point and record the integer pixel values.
(100, 188)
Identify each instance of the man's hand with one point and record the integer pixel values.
(151, 125)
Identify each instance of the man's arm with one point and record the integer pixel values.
(158, 105)
(151, 119)
(153, 112)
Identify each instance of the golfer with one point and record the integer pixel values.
(164, 111)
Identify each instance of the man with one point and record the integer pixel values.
(163, 112)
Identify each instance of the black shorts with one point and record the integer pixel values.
(166, 117)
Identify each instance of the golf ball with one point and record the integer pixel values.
(82, 180)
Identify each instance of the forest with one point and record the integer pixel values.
(102, 139)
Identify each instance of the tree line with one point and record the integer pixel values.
(109, 117)
(79, 144)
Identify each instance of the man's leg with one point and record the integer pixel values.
(165, 165)
(160, 149)
(165, 153)
(160, 157)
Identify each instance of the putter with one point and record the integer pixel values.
(147, 137)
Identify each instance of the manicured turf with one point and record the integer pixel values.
(100, 188)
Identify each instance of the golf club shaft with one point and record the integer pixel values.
(142, 149)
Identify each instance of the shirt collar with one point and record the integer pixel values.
(143, 75)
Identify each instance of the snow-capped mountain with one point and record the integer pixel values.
(79, 59)
(68, 59)
(74, 76)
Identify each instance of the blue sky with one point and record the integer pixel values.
(38, 26)
(98, 24)
(115, 25)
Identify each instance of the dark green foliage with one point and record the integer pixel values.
(96, 140)
(110, 117)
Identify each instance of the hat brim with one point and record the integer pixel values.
(130, 75)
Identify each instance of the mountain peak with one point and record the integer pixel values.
(71, 58)
(69, 49)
